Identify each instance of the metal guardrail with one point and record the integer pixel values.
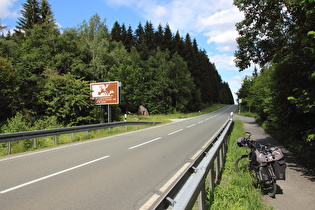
(9, 137)
(191, 186)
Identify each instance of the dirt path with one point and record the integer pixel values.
(297, 192)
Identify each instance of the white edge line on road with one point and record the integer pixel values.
(174, 177)
(147, 142)
(175, 132)
(150, 202)
(52, 175)
(155, 197)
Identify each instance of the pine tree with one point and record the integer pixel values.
(116, 32)
(130, 39)
(158, 37)
(46, 14)
(30, 16)
(168, 37)
(33, 13)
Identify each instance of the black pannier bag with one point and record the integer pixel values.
(279, 169)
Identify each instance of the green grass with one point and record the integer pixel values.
(236, 190)
(247, 114)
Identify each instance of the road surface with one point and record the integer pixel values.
(125, 171)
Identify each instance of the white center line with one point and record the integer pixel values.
(189, 126)
(52, 175)
(175, 132)
(147, 142)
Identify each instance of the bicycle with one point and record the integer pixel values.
(266, 161)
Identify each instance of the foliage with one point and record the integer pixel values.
(67, 99)
(279, 36)
(95, 41)
(7, 76)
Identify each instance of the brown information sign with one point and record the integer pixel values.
(105, 92)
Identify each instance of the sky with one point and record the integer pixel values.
(210, 22)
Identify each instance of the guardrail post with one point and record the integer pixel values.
(221, 156)
(34, 143)
(55, 140)
(217, 169)
(202, 198)
(211, 177)
(9, 147)
(72, 136)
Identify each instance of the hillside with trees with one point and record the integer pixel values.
(279, 36)
(45, 72)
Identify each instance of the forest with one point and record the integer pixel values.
(45, 71)
(278, 38)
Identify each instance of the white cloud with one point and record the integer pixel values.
(5, 9)
(214, 19)
(235, 85)
(223, 61)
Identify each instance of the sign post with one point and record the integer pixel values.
(239, 105)
(105, 93)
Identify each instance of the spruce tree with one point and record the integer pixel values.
(30, 16)
(34, 12)
(116, 32)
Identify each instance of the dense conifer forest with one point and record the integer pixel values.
(45, 72)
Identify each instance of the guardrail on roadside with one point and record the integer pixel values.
(191, 186)
(9, 137)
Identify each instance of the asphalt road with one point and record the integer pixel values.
(126, 171)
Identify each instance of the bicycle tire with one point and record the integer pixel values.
(273, 185)
(237, 161)
(273, 189)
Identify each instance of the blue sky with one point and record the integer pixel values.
(211, 22)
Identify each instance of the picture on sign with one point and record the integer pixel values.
(105, 92)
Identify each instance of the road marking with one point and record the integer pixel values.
(162, 190)
(173, 179)
(52, 175)
(189, 126)
(196, 154)
(200, 122)
(175, 132)
(147, 142)
(150, 202)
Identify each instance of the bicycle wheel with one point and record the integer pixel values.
(271, 186)
(237, 169)
(273, 189)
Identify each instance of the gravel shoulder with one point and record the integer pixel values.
(298, 190)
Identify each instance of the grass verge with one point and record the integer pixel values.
(236, 190)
